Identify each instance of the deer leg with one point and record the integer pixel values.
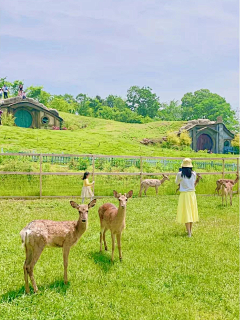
(101, 238)
(119, 246)
(145, 190)
(140, 192)
(231, 198)
(156, 188)
(25, 269)
(65, 262)
(113, 244)
(36, 254)
(104, 239)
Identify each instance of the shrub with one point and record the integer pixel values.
(172, 139)
(235, 142)
(7, 119)
(185, 139)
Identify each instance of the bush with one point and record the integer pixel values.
(8, 119)
(185, 139)
(172, 139)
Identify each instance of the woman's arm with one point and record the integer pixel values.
(88, 184)
(178, 178)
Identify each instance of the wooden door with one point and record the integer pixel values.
(204, 142)
(23, 118)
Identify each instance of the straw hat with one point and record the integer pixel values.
(187, 163)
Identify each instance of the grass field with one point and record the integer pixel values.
(163, 275)
(99, 137)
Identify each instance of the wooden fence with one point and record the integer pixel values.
(141, 173)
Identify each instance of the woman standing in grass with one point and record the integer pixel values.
(86, 190)
(187, 211)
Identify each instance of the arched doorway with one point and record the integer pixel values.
(204, 142)
(23, 118)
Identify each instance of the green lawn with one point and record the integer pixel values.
(99, 137)
(164, 274)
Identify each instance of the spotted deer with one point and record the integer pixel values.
(220, 181)
(114, 219)
(41, 233)
(199, 177)
(155, 183)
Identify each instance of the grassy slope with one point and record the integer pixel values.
(164, 275)
(99, 137)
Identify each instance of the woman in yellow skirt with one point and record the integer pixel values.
(187, 211)
(86, 190)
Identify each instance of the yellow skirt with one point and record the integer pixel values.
(187, 210)
(87, 192)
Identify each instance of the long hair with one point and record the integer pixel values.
(85, 175)
(186, 172)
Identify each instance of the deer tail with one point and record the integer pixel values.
(25, 237)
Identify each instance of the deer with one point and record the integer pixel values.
(145, 184)
(114, 219)
(227, 190)
(199, 177)
(220, 181)
(41, 233)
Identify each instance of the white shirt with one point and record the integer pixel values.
(185, 183)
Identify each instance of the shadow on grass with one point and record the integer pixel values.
(102, 259)
(57, 286)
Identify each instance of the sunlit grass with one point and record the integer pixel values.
(164, 274)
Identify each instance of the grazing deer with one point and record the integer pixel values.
(145, 184)
(227, 190)
(196, 182)
(113, 218)
(41, 233)
(220, 181)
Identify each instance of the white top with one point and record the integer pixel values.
(185, 183)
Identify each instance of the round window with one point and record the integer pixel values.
(45, 120)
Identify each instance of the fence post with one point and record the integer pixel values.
(141, 171)
(93, 170)
(223, 162)
(238, 173)
(40, 177)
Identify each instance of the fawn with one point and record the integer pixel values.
(113, 218)
(145, 184)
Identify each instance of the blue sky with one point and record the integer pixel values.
(104, 47)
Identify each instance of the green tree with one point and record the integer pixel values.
(115, 101)
(203, 104)
(59, 104)
(143, 101)
(38, 94)
(170, 112)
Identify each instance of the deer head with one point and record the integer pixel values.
(165, 177)
(123, 197)
(83, 209)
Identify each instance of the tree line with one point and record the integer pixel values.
(140, 106)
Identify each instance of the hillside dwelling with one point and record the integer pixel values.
(29, 113)
(209, 135)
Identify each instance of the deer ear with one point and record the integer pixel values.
(116, 195)
(129, 194)
(74, 204)
(92, 203)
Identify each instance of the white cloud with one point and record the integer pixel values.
(106, 46)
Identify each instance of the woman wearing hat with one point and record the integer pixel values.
(187, 211)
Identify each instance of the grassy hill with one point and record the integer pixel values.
(93, 136)
(90, 135)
